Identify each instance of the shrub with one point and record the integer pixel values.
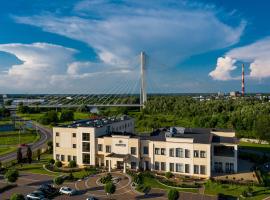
(51, 161)
(58, 180)
(173, 194)
(17, 197)
(58, 163)
(72, 164)
(137, 178)
(168, 175)
(12, 175)
(109, 188)
(106, 179)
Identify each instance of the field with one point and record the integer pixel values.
(235, 190)
(256, 147)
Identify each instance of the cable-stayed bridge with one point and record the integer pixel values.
(124, 93)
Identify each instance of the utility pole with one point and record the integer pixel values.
(143, 95)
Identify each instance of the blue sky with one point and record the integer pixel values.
(93, 46)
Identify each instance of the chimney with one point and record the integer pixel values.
(243, 80)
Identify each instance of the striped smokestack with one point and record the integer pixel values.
(243, 80)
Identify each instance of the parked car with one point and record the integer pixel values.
(35, 195)
(48, 189)
(91, 198)
(67, 190)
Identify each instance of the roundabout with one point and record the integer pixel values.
(92, 186)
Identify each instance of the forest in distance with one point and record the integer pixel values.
(249, 116)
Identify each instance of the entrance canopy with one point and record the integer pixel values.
(125, 157)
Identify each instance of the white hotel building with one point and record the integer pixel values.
(112, 143)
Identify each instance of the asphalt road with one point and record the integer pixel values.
(45, 135)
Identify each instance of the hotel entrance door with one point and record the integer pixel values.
(120, 164)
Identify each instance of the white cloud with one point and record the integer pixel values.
(256, 54)
(168, 34)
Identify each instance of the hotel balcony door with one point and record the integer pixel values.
(120, 164)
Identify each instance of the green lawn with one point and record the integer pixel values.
(213, 188)
(152, 182)
(37, 167)
(256, 147)
(9, 140)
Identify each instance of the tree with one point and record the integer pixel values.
(168, 175)
(12, 175)
(262, 127)
(72, 164)
(67, 115)
(173, 194)
(51, 161)
(50, 146)
(58, 163)
(19, 156)
(110, 188)
(38, 154)
(58, 180)
(17, 197)
(29, 154)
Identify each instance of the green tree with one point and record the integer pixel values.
(50, 146)
(51, 161)
(17, 197)
(109, 188)
(12, 175)
(67, 115)
(29, 154)
(72, 164)
(262, 127)
(19, 156)
(58, 180)
(58, 163)
(173, 194)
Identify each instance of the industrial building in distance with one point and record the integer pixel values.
(112, 143)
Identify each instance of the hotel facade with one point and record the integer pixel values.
(112, 143)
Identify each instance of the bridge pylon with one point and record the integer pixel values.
(143, 94)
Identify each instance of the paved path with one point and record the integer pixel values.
(29, 182)
(45, 135)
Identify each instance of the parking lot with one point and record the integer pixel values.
(27, 183)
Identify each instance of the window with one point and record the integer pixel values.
(172, 167)
(86, 147)
(187, 153)
(86, 158)
(133, 151)
(69, 158)
(57, 144)
(202, 154)
(157, 151)
(196, 169)
(196, 154)
(179, 152)
(57, 156)
(108, 148)
(186, 168)
(73, 134)
(74, 146)
(133, 165)
(145, 150)
(202, 169)
(75, 158)
(179, 167)
(100, 147)
(162, 151)
(163, 166)
(57, 134)
(156, 165)
(171, 152)
(62, 157)
(86, 136)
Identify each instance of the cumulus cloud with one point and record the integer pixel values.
(168, 33)
(47, 67)
(256, 54)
